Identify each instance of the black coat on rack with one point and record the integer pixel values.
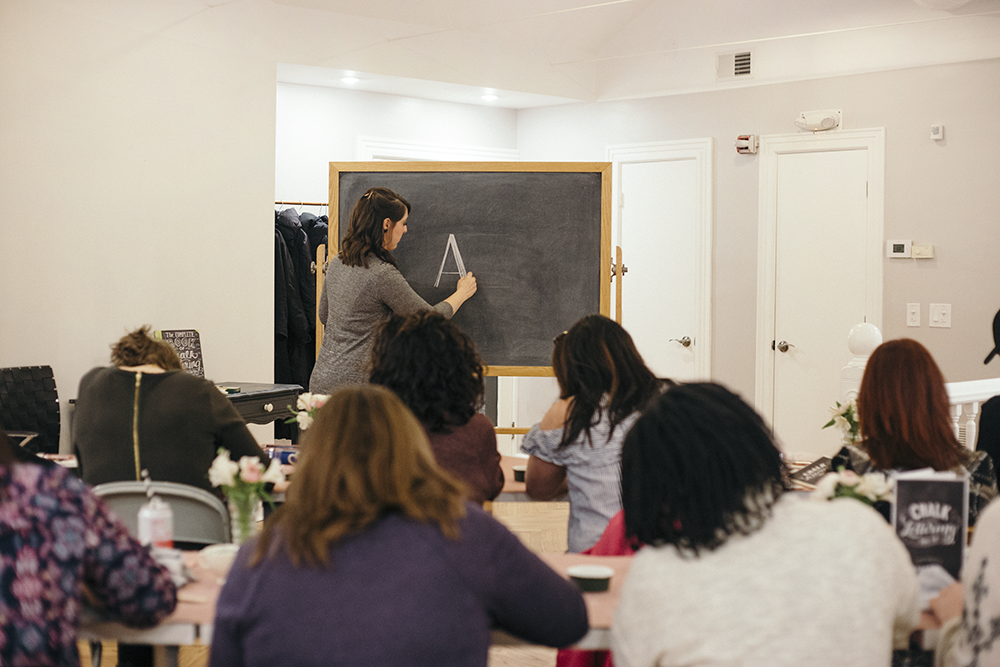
(294, 301)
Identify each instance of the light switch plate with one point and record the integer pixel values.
(940, 315)
(913, 314)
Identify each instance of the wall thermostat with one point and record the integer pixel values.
(897, 248)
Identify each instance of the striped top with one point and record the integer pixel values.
(593, 474)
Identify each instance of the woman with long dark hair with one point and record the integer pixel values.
(363, 287)
(55, 538)
(905, 422)
(735, 571)
(435, 370)
(377, 559)
(603, 383)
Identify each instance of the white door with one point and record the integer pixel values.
(664, 229)
(826, 272)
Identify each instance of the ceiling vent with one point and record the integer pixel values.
(734, 66)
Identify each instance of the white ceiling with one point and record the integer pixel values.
(541, 52)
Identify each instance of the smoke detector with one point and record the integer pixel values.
(819, 121)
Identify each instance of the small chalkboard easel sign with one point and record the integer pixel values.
(930, 514)
(187, 342)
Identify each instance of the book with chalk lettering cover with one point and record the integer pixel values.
(930, 514)
(187, 342)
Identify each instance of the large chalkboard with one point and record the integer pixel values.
(537, 237)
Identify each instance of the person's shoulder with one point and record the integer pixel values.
(31, 479)
(382, 269)
(480, 422)
(989, 519)
(97, 374)
(479, 530)
(844, 515)
(182, 378)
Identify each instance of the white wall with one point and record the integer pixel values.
(942, 193)
(316, 126)
(136, 176)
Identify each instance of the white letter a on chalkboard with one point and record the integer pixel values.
(459, 264)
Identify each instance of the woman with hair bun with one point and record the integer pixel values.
(363, 287)
(144, 411)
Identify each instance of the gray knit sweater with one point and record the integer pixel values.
(354, 302)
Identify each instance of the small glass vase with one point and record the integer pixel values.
(244, 516)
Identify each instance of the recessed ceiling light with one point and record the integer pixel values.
(350, 79)
(490, 97)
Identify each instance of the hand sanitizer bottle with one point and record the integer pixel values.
(156, 519)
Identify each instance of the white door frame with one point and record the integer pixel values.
(701, 151)
(770, 147)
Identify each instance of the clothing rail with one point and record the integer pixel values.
(965, 398)
(301, 203)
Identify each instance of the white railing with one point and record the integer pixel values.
(965, 398)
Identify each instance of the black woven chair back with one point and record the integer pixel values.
(29, 402)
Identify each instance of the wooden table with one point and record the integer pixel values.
(517, 491)
(600, 606)
(190, 623)
(512, 491)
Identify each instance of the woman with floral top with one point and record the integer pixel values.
(57, 538)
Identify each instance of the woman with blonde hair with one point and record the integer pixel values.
(376, 559)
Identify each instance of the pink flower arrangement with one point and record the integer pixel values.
(307, 405)
(243, 484)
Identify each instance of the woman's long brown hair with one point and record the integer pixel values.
(904, 411)
(365, 455)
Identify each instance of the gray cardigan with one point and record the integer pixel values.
(354, 302)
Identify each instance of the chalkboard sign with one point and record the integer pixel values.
(187, 342)
(930, 514)
(537, 236)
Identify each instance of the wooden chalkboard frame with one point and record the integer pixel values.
(601, 168)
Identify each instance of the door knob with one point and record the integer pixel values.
(783, 346)
(686, 341)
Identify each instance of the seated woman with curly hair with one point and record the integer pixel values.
(737, 572)
(906, 424)
(433, 367)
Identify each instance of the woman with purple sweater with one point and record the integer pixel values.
(376, 559)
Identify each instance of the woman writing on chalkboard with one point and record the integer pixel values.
(363, 287)
(603, 384)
